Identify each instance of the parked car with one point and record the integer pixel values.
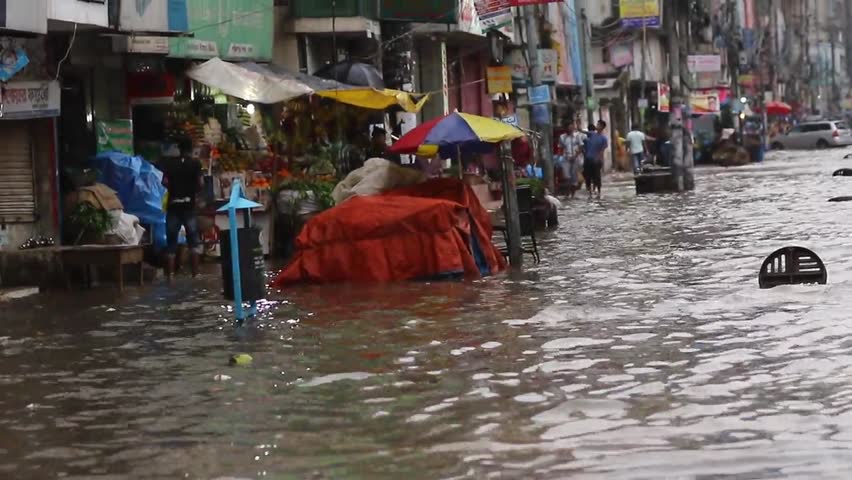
(824, 134)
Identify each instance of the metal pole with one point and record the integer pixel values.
(544, 129)
(642, 93)
(585, 47)
(510, 207)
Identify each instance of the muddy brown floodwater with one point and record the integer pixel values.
(641, 348)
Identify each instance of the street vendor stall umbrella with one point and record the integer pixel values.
(778, 108)
(453, 134)
(353, 73)
(462, 132)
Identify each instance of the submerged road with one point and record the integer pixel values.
(641, 348)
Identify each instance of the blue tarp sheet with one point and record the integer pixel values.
(139, 185)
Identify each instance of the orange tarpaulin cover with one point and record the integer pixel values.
(409, 233)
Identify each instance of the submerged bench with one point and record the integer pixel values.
(117, 256)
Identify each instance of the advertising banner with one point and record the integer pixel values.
(705, 102)
(664, 101)
(115, 136)
(704, 63)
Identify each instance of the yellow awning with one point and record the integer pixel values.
(375, 99)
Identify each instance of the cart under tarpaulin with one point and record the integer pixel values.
(431, 230)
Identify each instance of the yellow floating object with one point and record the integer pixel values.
(376, 99)
(240, 360)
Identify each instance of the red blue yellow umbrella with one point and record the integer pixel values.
(454, 132)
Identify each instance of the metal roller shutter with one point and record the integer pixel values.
(17, 186)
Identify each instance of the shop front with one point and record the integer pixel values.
(28, 180)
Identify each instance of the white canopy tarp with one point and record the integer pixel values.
(253, 86)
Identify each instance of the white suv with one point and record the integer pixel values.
(811, 135)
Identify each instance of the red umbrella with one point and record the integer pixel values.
(778, 108)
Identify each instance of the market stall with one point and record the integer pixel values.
(290, 138)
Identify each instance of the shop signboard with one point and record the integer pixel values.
(147, 44)
(115, 136)
(425, 11)
(639, 13)
(548, 62)
(704, 63)
(24, 100)
(496, 15)
(153, 16)
(24, 15)
(232, 29)
(539, 95)
(499, 80)
(510, 120)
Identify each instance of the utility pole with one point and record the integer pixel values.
(642, 94)
(585, 48)
(834, 90)
(675, 117)
(545, 129)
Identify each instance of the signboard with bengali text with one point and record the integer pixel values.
(639, 13)
(24, 100)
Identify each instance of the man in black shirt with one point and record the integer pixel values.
(182, 178)
(378, 144)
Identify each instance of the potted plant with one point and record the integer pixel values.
(89, 223)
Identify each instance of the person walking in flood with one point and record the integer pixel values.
(594, 148)
(182, 177)
(572, 147)
(636, 139)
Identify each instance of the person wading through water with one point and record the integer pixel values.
(572, 147)
(595, 146)
(182, 178)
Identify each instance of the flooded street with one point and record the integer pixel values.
(641, 348)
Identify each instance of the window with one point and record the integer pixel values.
(821, 127)
(841, 126)
(798, 129)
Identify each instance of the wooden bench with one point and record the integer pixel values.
(117, 256)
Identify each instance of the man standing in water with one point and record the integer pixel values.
(182, 178)
(572, 146)
(595, 146)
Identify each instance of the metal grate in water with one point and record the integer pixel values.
(792, 266)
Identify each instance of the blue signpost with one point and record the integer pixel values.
(238, 201)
